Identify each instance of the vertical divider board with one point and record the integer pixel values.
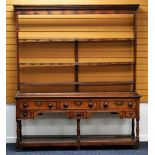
(76, 44)
(17, 41)
(135, 50)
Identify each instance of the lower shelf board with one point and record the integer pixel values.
(71, 141)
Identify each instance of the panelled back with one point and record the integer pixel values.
(81, 26)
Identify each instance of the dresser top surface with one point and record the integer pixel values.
(79, 95)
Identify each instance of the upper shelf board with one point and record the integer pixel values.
(73, 39)
(127, 7)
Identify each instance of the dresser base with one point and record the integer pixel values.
(78, 106)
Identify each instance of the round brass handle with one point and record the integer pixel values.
(131, 113)
(65, 104)
(78, 114)
(24, 114)
(78, 103)
(25, 105)
(38, 103)
(119, 103)
(90, 104)
(130, 104)
(50, 105)
(105, 104)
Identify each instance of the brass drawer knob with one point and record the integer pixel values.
(25, 105)
(130, 104)
(131, 113)
(38, 103)
(78, 114)
(90, 104)
(24, 114)
(119, 103)
(78, 103)
(105, 104)
(65, 104)
(50, 105)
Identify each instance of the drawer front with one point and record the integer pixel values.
(78, 104)
(38, 104)
(24, 114)
(130, 114)
(121, 104)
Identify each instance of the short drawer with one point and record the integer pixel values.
(78, 105)
(26, 114)
(38, 104)
(118, 104)
(130, 114)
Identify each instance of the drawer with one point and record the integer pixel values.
(38, 104)
(26, 114)
(130, 114)
(118, 104)
(78, 105)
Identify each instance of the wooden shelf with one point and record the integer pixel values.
(40, 64)
(76, 7)
(36, 40)
(85, 141)
(76, 83)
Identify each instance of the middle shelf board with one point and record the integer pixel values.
(35, 40)
(40, 64)
(77, 83)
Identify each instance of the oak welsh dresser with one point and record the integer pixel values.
(77, 104)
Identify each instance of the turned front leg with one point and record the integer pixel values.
(19, 133)
(137, 132)
(78, 130)
(133, 128)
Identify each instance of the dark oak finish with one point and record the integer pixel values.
(77, 105)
